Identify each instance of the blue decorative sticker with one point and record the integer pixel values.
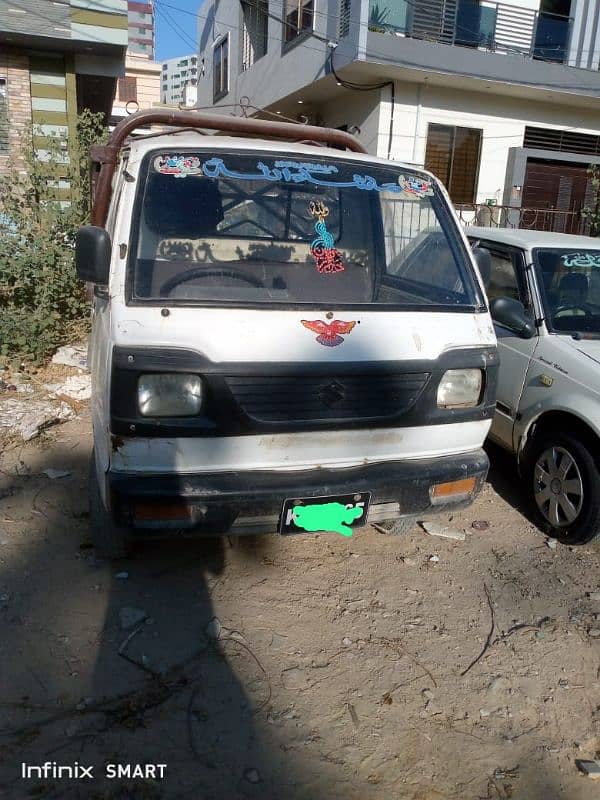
(301, 172)
(587, 259)
(323, 249)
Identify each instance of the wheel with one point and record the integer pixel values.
(398, 527)
(110, 540)
(565, 485)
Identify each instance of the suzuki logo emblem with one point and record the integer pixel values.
(332, 393)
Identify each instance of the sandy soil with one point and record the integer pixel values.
(341, 667)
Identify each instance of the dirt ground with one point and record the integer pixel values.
(336, 668)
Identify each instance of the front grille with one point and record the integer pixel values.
(303, 398)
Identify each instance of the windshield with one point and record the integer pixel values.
(570, 283)
(253, 229)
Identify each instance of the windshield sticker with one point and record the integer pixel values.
(296, 172)
(178, 166)
(418, 187)
(329, 332)
(327, 517)
(327, 257)
(581, 259)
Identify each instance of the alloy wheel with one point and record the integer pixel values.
(558, 487)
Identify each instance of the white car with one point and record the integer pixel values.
(544, 293)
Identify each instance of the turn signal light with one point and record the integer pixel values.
(452, 491)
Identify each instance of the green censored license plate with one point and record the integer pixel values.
(338, 513)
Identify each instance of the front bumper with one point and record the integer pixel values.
(251, 501)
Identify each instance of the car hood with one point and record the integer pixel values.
(589, 348)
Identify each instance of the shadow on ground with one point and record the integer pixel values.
(79, 683)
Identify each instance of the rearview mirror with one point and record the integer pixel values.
(92, 254)
(511, 314)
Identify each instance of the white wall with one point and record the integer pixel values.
(502, 120)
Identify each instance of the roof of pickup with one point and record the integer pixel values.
(528, 239)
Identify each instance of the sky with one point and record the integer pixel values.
(175, 27)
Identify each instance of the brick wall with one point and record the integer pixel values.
(14, 67)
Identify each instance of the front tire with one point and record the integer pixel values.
(564, 481)
(111, 541)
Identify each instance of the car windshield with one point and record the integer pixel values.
(256, 229)
(570, 282)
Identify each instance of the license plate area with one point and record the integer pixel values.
(328, 513)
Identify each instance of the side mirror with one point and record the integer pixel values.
(483, 259)
(92, 254)
(510, 313)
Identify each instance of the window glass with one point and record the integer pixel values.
(570, 284)
(503, 280)
(298, 18)
(260, 229)
(220, 68)
(452, 154)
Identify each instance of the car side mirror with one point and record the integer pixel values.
(92, 254)
(483, 259)
(511, 314)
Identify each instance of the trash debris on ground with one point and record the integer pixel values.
(594, 633)
(353, 715)
(593, 595)
(436, 529)
(122, 576)
(434, 559)
(480, 525)
(54, 474)
(589, 768)
(71, 356)
(76, 387)
(213, 628)
(551, 543)
(129, 617)
(29, 418)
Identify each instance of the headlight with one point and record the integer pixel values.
(460, 388)
(169, 395)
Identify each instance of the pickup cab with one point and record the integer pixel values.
(289, 335)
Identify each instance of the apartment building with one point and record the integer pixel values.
(177, 74)
(500, 100)
(56, 58)
(140, 19)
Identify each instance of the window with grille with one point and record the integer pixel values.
(345, 10)
(3, 115)
(561, 141)
(452, 154)
(221, 68)
(298, 18)
(128, 89)
(254, 31)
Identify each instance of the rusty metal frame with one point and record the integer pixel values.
(107, 155)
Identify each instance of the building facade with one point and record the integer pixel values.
(177, 74)
(140, 18)
(138, 89)
(501, 101)
(56, 59)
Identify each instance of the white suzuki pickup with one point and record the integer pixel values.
(544, 292)
(289, 335)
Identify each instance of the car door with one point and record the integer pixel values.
(508, 279)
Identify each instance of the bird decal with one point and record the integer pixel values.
(329, 332)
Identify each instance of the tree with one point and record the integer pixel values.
(42, 303)
(592, 212)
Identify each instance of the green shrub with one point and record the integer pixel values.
(41, 300)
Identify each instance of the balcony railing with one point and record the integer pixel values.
(486, 25)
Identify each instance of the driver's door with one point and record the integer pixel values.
(508, 279)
